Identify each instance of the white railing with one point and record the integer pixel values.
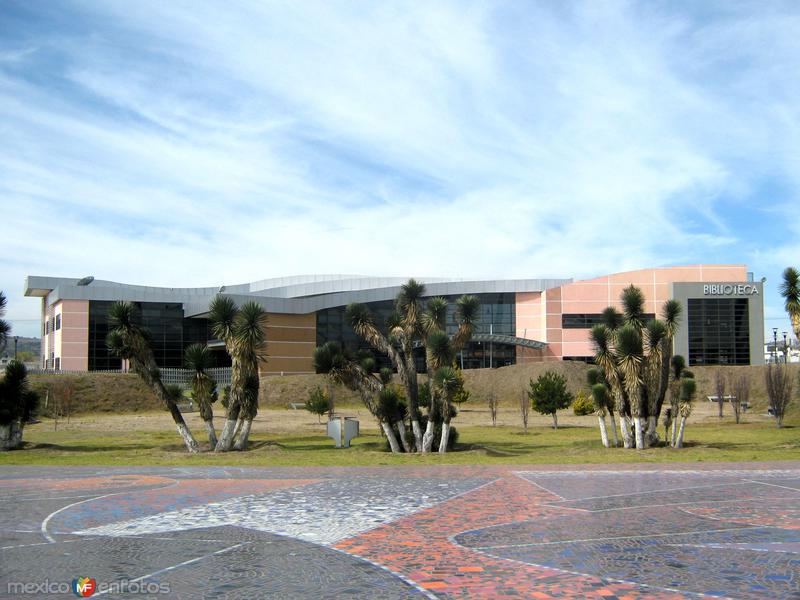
(169, 375)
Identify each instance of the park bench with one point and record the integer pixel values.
(186, 407)
(297, 405)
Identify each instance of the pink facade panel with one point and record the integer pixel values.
(591, 296)
(73, 337)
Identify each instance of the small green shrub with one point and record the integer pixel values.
(583, 404)
(317, 402)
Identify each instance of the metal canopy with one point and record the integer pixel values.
(507, 339)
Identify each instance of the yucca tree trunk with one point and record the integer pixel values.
(412, 388)
(225, 441)
(614, 430)
(674, 434)
(601, 419)
(244, 434)
(639, 431)
(177, 417)
(427, 439)
(389, 432)
(11, 435)
(625, 427)
(651, 435)
(445, 438)
(211, 432)
(401, 431)
(679, 439)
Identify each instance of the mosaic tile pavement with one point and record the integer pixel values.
(689, 531)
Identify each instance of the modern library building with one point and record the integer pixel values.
(521, 320)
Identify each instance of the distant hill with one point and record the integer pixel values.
(24, 344)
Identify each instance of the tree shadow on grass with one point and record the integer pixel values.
(87, 448)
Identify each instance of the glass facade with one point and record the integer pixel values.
(497, 315)
(587, 321)
(719, 331)
(170, 334)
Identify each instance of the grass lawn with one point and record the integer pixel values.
(114, 441)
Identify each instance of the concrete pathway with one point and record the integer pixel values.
(652, 531)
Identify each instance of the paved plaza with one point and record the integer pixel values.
(654, 531)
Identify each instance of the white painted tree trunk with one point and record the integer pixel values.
(673, 439)
(445, 438)
(614, 431)
(387, 429)
(226, 436)
(637, 426)
(427, 439)
(401, 430)
(244, 434)
(603, 433)
(183, 431)
(626, 431)
(211, 432)
(555, 421)
(417, 434)
(679, 441)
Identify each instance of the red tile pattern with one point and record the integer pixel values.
(420, 548)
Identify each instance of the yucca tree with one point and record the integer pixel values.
(604, 403)
(677, 370)
(128, 340)
(600, 397)
(670, 316)
(655, 333)
(438, 353)
(447, 381)
(18, 404)
(222, 314)
(249, 343)
(629, 356)
(688, 389)
(198, 360)
(242, 331)
(790, 290)
(603, 338)
(363, 324)
(335, 362)
(5, 327)
(468, 310)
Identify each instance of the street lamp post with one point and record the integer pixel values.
(774, 344)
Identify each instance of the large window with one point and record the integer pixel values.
(719, 331)
(589, 320)
(497, 315)
(170, 334)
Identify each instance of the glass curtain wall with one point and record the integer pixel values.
(497, 315)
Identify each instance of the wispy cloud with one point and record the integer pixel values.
(200, 143)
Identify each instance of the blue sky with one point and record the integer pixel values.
(190, 143)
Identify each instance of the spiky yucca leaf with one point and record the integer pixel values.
(439, 349)
(688, 389)
(197, 357)
(222, 313)
(655, 332)
(386, 375)
(435, 316)
(678, 365)
(409, 302)
(632, 300)
(670, 314)
(600, 396)
(612, 318)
